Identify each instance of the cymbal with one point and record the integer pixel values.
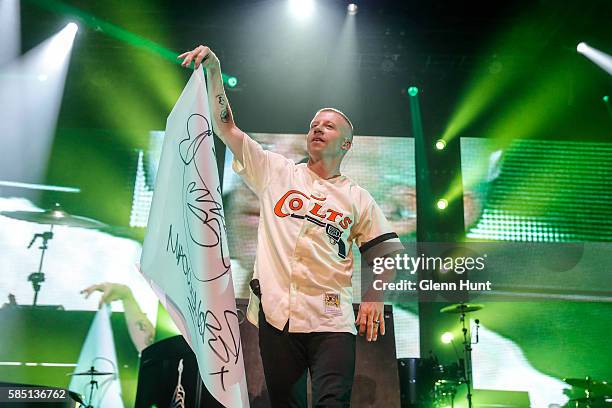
(54, 216)
(591, 385)
(461, 308)
(91, 372)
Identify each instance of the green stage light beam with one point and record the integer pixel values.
(113, 30)
(533, 110)
(487, 86)
(107, 28)
(529, 114)
(415, 113)
(413, 91)
(455, 189)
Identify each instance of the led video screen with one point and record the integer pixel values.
(540, 193)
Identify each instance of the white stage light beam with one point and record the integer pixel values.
(302, 9)
(31, 90)
(60, 46)
(600, 58)
(10, 30)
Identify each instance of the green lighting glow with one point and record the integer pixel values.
(413, 91)
(440, 144)
(442, 204)
(447, 337)
(606, 98)
(232, 81)
(166, 80)
(485, 92)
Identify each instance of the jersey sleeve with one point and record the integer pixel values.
(257, 164)
(373, 234)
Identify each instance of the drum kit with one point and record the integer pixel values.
(54, 216)
(450, 378)
(596, 393)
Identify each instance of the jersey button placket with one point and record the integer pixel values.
(293, 299)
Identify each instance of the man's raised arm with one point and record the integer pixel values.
(220, 111)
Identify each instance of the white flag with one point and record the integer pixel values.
(185, 254)
(98, 351)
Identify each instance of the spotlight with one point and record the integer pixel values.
(606, 98)
(72, 28)
(42, 77)
(61, 44)
(413, 91)
(447, 337)
(352, 9)
(301, 8)
(232, 81)
(598, 57)
(442, 204)
(440, 144)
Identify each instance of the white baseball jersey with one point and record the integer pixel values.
(307, 226)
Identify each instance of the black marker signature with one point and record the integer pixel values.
(203, 210)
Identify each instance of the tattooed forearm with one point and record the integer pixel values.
(226, 114)
(145, 337)
(141, 325)
(221, 113)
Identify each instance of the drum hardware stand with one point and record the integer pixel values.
(53, 216)
(467, 352)
(38, 277)
(92, 384)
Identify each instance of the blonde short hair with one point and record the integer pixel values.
(339, 113)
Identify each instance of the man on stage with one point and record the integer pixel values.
(310, 216)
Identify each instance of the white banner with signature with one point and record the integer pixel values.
(185, 255)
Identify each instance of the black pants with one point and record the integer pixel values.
(287, 358)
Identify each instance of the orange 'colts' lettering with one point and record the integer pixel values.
(333, 215)
(315, 210)
(296, 203)
(345, 222)
(295, 200)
